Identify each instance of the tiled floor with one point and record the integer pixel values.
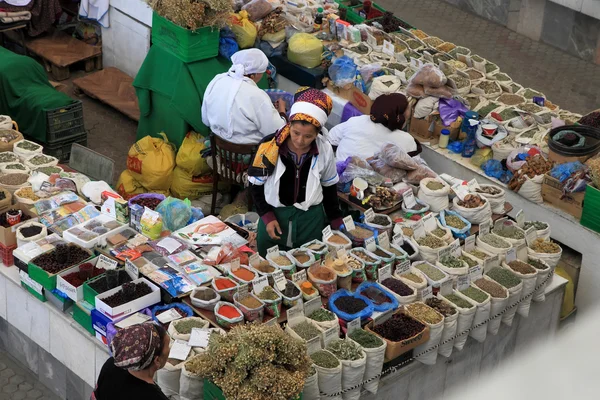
(17, 383)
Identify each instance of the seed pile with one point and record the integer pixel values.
(521, 267)
(14, 179)
(431, 242)
(250, 302)
(360, 233)
(397, 253)
(398, 287)
(504, 277)
(537, 264)
(439, 232)
(398, 328)
(322, 315)
(354, 264)
(366, 339)
(475, 294)
(301, 256)
(280, 260)
(459, 301)
(30, 231)
(424, 313)
(440, 306)
(455, 222)
(495, 241)
(478, 254)
(492, 288)
(345, 350)
(350, 305)
(268, 293)
(337, 239)
(382, 253)
(413, 277)
(406, 231)
(451, 262)
(129, 292)
(510, 232)
(432, 272)
(542, 246)
(324, 359)
(407, 247)
(306, 330)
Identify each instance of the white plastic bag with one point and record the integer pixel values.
(330, 380)
(496, 200)
(481, 314)
(311, 388)
(475, 215)
(373, 366)
(427, 352)
(190, 385)
(532, 189)
(529, 281)
(437, 199)
(498, 305)
(464, 322)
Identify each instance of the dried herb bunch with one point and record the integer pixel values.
(254, 362)
(193, 14)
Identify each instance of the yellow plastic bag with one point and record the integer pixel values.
(151, 162)
(188, 156)
(305, 50)
(128, 187)
(243, 29)
(186, 186)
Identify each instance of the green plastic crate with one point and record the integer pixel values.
(212, 392)
(406, 26)
(48, 281)
(590, 216)
(354, 18)
(82, 315)
(34, 293)
(89, 294)
(186, 45)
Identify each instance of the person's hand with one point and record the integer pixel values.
(273, 228)
(280, 105)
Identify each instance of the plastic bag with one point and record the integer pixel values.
(457, 233)
(228, 45)
(244, 30)
(352, 171)
(429, 75)
(385, 84)
(257, 9)
(175, 213)
(342, 71)
(270, 51)
(456, 147)
(305, 50)
(562, 172)
(396, 157)
(422, 172)
(151, 161)
(188, 156)
(128, 187)
(151, 224)
(416, 91)
(494, 169)
(443, 92)
(395, 174)
(450, 110)
(186, 186)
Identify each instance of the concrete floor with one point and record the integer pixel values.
(18, 383)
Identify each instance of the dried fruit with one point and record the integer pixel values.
(398, 328)
(472, 201)
(542, 246)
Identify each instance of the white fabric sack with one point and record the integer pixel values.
(450, 330)
(464, 322)
(481, 314)
(430, 281)
(324, 325)
(476, 215)
(25, 153)
(290, 329)
(403, 299)
(514, 295)
(21, 240)
(437, 199)
(551, 259)
(373, 366)
(448, 238)
(412, 284)
(180, 336)
(543, 233)
(498, 305)
(330, 380)
(428, 254)
(453, 272)
(542, 275)
(168, 379)
(426, 106)
(501, 252)
(496, 200)
(52, 163)
(532, 189)
(385, 84)
(190, 385)
(334, 247)
(311, 388)
(519, 244)
(435, 337)
(381, 228)
(528, 288)
(352, 374)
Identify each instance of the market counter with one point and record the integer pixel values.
(68, 359)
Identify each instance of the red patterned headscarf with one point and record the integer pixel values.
(135, 347)
(388, 110)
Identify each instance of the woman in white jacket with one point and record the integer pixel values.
(364, 136)
(235, 108)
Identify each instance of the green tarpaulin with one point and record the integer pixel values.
(26, 94)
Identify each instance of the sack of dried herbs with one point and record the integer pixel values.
(413, 278)
(466, 314)
(401, 291)
(432, 318)
(429, 247)
(374, 349)
(546, 251)
(382, 223)
(434, 192)
(291, 295)
(354, 361)
(338, 241)
(452, 265)
(510, 231)
(528, 275)
(475, 215)
(311, 385)
(457, 224)
(498, 299)
(481, 300)
(488, 89)
(303, 329)
(450, 314)
(495, 195)
(325, 319)
(329, 372)
(302, 258)
(544, 270)
(513, 284)
(435, 276)
(493, 244)
(181, 329)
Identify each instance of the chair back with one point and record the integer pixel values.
(230, 165)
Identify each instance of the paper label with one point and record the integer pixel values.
(484, 228)
(279, 279)
(349, 223)
(463, 282)
(381, 318)
(352, 326)
(258, 284)
(388, 48)
(299, 277)
(330, 334)
(475, 273)
(472, 185)
(66, 287)
(327, 233)
(446, 251)
(235, 264)
(371, 41)
(530, 236)
(199, 337)
(429, 222)
(398, 239)
(470, 243)
(180, 350)
(243, 291)
(312, 305)
(384, 273)
(425, 293)
(132, 270)
(409, 199)
(511, 255)
(384, 240)
(25, 278)
(254, 259)
(460, 190)
(313, 345)
(369, 214)
(403, 267)
(446, 287)
(135, 319)
(168, 316)
(520, 217)
(419, 230)
(106, 263)
(273, 249)
(295, 313)
(370, 244)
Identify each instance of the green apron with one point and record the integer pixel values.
(298, 227)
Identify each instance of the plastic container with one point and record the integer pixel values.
(444, 138)
(227, 322)
(65, 122)
(89, 244)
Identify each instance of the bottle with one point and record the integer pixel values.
(470, 143)
(444, 138)
(318, 20)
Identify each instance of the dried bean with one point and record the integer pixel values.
(521, 267)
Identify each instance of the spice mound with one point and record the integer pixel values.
(185, 327)
(451, 262)
(322, 315)
(510, 232)
(337, 239)
(224, 283)
(129, 292)
(406, 231)
(307, 288)
(322, 273)
(306, 330)
(268, 293)
(537, 264)
(495, 241)
(413, 277)
(470, 262)
(458, 301)
(382, 253)
(282, 261)
(424, 313)
(349, 304)
(345, 350)
(250, 302)
(399, 327)
(205, 295)
(455, 222)
(504, 277)
(60, 258)
(471, 201)
(265, 267)
(475, 294)
(14, 179)
(376, 295)
(398, 287)
(434, 185)
(301, 256)
(542, 246)
(244, 274)
(432, 272)
(478, 254)
(431, 242)
(324, 359)
(440, 306)
(439, 232)
(361, 233)
(229, 312)
(521, 267)
(492, 288)
(366, 339)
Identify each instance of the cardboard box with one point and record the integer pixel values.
(82, 315)
(114, 313)
(428, 130)
(8, 236)
(74, 293)
(572, 203)
(99, 321)
(63, 304)
(560, 159)
(358, 99)
(46, 279)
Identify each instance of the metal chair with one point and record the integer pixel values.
(226, 167)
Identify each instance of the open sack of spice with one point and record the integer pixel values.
(434, 192)
(343, 270)
(498, 301)
(542, 229)
(429, 247)
(473, 207)
(354, 362)
(457, 224)
(493, 244)
(513, 234)
(450, 314)
(481, 300)
(513, 284)
(452, 265)
(528, 275)
(495, 195)
(545, 250)
(251, 306)
(427, 352)
(304, 329)
(271, 299)
(371, 261)
(401, 291)
(337, 241)
(527, 180)
(349, 306)
(401, 332)
(302, 258)
(329, 372)
(374, 349)
(466, 314)
(280, 259)
(381, 298)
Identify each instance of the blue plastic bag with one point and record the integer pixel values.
(457, 233)
(183, 307)
(197, 215)
(391, 305)
(494, 169)
(175, 213)
(456, 146)
(562, 172)
(358, 242)
(227, 43)
(343, 71)
(450, 110)
(363, 314)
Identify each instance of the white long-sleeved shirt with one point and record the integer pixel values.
(253, 113)
(361, 137)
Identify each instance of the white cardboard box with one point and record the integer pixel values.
(74, 293)
(131, 307)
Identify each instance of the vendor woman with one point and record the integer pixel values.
(237, 110)
(365, 135)
(293, 177)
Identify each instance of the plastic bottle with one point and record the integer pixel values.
(470, 143)
(444, 138)
(318, 19)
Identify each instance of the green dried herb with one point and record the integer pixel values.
(440, 306)
(27, 145)
(306, 330)
(490, 67)
(537, 264)
(459, 301)
(510, 232)
(412, 277)
(478, 254)
(16, 166)
(488, 108)
(345, 350)
(322, 315)
(451, 262)
(439, 232)
(268, 294)
(455, 222)
(366, 339)
(502, 77)
(431, 241)
(504, 277)
(476, 58)
(538, 225)
(530, 94)
(40, 159)
(435, 185)
(8, 157)
(508, 113)
(470, 262)
(531, 107)
(495, 241)
(432, 272)
(423, 313)
(324, 359)
(488, 87)
(185, 327)
(475, 294)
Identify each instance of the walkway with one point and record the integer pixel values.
(17, 383)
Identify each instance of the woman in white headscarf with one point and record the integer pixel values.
(235, 109)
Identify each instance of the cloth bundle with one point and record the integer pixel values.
(8, 17)
(429, 80)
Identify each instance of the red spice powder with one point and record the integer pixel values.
(228, 312)
(244, 274)
(224, 283)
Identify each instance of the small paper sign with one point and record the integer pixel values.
(243, 291)
(520, 217)
(370, 244)
(135, 319)
(168, 316)
(484, 228)
(475, 273)
(403, 267)
(530, 236)
(384, 273)
(446, 287)
(312, 305)
(491, 261)
(511, 255)
(272, 321)
(429, 222)
(273, 249)
(279, 279)
(369, 214)
(330, 334)
(461, 190)
(470, 243)
(258, 284)
(419, 230)
(349, 223)
(473, 185)
(398, 239)
(25, 278)
(388, 48)
(106, 263)
(455, 248)
(313, 345)
(254, 259)
(327, 233)
(384, 240)
(352, 326)
(445, 252)
(235, 264)
(199, 337)
(409, 199)
(463, 282)
(132, 270)
(296, 312)
(180, 350)
(384, 316)
(299, 277)
(425, 293)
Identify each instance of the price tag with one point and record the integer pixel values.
(312, 305)
(419, 230)
(352, 326)
(520, 217)
(329, 335)
(461, 190)
(511, 255)
(446, 287)
(429, 222)
(313, 345)
(299, 277)
(25, 278)
(243, 291)
(66, 287)
(384, 273)
(106, 263)
(530, 236)
(132, 270)
(463, 282)
(273, 249)
(294, 313)
(258, 284)
(349, 223)
(369, 214)
(470, 243)
(425, 293)
(168, 316)
(384, 240)
(370, 244)
(384, 316)
(484, 228)
(445, 252)
(342, 253)
(403, 267)
(455, 248)
(279, 279)
(475, 273)
(398, 239)
(254, 259)
(327, 233)
(409, 199)
(388, 48)
(235, 264)
(199, 337)
(180, 350)
(473, 185)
